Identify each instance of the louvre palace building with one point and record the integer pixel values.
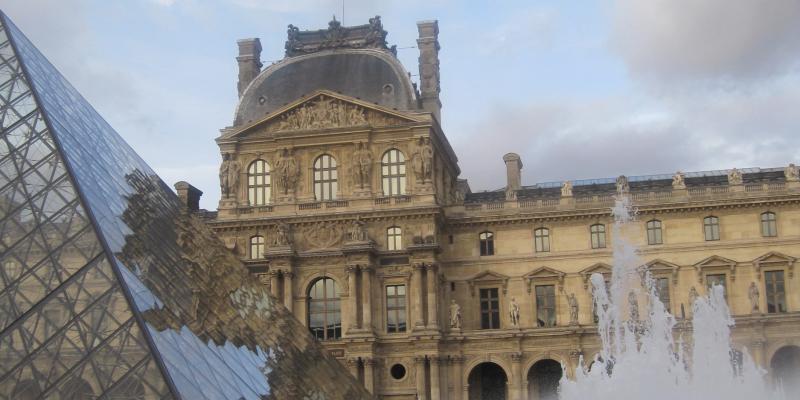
(343, 196)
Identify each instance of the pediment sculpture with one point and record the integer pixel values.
(327, 112)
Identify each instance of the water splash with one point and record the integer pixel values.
(640, 358)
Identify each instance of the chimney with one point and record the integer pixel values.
(189, 195)
(428, 44)
(249, 62)
(513, 171)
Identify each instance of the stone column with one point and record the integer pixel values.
(369, 375)
(366, 280)
(416, 299)
(419, 370)
(433, 298)
(435, 379)
(458, 373)
(288, 293)
(516, 380)
(758, 353)
(352, 366)
(574, 359)
(273, 283)
(353, 296)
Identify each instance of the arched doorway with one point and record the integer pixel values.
(785, 366)
(543, 378)
(487, 381)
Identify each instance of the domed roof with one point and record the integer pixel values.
(373, 75)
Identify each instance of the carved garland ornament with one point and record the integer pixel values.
(323, 235)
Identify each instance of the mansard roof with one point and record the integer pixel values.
(354, 61)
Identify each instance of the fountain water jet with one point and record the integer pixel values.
(640, 358)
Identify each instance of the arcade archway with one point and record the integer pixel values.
(785, 365)
(543, 378)
(487, 381)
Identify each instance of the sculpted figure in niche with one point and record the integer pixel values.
(286, 167)
(791, 173)
(228, 175)
(735, 177)
(752, 294)
(622, 184)
(513, 311)
(566, 189)
(573, 309)
(282, 236)
(633, 305)
(358, 231)
(455, 315)
(362, 166)
(692, 296)
(678, 181)
(422, 160)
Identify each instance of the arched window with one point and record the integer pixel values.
(324, 310)
(654, 232)
(394, 238)
(541, 240)
(258, 183)
(487, 243)
(257, 244)
(598, 233)
(325, 178)
(769, 224)
(393, 173)
(711, 228)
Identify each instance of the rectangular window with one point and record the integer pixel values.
(598, 234)
(662, 289)
(776, 292)
(490, 309)
(542, 240)
(395, 308)
(711, 228)
(769, 225)
(595, 317)
(545, 306)
(717, 279)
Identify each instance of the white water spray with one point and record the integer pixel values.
(640, 358)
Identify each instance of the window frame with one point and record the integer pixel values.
(597, 233)
(541, 242)
(540, 306)
(492, 314)
(709, 284)
(711, 222)
(769, 224)
(254, 243)
(393, 173)
(259, 183)
(486, 243)
(325, 177)
(394, 238)
(398, 306)
(772, 294)
(656, 227)
(665, 293)
(331, 306)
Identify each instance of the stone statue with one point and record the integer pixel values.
(224, 174)
(633, 305)
(692, 296)
(566, 189)
(573, 309)
(286, 168)
(622, 184)
(358, 231)
(455, 314)
(678, 182)
(513, 311)
(283, 236)
(362, 166)
(735, 177)
(422, 161)
(752, 294)
(791, 173)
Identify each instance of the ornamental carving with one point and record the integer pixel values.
(323, 235)
(327, 112)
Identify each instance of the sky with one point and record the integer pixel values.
(586, 89)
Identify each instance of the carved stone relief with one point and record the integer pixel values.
(327, 112)
(323, 235)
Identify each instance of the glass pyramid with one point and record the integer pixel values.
(108, 287)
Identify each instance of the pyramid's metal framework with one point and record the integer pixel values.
(108, 288)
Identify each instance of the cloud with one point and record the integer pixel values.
(738, 40)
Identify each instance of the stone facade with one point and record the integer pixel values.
(455, 249)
